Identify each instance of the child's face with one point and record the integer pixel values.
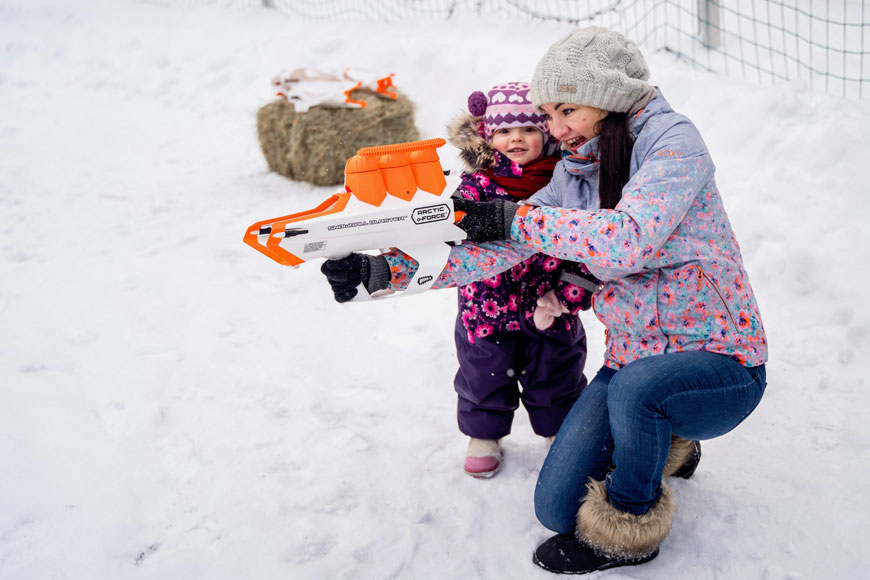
(572, 124)
(519, 144)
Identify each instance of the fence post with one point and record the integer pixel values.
(709, 27)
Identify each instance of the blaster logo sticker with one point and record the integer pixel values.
(313, 247)
(431, 213)
(423, 280)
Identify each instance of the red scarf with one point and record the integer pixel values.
(536, 175)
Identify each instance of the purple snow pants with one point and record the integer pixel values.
(549, 370)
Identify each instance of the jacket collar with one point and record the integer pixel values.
(656, 106)
(504, 167)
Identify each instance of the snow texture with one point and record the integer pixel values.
(174, 405)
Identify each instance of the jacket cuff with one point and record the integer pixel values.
(510, 212)
(379, 274)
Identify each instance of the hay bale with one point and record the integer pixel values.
(315, 145)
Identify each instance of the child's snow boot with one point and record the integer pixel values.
(683, 458)
(483, 458)
(607, 537)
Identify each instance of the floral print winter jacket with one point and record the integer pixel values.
(673, 274)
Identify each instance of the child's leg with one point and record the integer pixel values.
(552, 378)
(486, 384)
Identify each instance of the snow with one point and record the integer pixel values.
(175, 405)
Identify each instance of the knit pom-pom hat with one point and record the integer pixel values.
(506, 106)
(591, 66)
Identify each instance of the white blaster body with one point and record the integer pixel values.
(382, 208)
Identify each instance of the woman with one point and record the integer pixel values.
(686, 347)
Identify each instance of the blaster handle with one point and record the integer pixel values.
(431, 260)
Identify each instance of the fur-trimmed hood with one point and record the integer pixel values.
(474, 151)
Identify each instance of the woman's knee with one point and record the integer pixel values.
(553, 514)
(562, 482)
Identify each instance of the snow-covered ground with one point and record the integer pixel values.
(174, 405)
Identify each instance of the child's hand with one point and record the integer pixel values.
(548, 310)
(346, 274)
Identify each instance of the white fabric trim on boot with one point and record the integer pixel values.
(483, 458)
(483, 448)
(618, 534)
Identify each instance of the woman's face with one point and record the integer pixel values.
(572, 124)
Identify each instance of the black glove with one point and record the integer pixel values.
(486, 221)
(346, 274)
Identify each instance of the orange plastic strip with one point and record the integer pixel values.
(272, 249)
(384, 84)
(347, 98)
(402, 147)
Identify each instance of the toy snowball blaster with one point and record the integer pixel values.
(395, 198)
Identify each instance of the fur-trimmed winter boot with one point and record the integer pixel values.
(483, 458)
(607, 537)
(683, 458)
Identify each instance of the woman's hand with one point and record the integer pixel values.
(486, 221)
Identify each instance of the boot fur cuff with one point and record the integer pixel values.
(620, 535)
(680, 451)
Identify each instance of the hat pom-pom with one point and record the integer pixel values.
(477, 104)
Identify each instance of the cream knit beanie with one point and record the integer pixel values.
(591, 66)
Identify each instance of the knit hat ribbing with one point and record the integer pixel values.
(591, 66)
(504, 106)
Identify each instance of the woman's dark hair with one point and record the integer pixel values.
(614, 152)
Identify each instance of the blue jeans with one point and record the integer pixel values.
(624, 419)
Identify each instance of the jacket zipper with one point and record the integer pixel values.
(702, 275)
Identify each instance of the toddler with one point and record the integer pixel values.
(518, 328)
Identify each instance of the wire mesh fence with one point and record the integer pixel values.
(821, 42)
(602, 12)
